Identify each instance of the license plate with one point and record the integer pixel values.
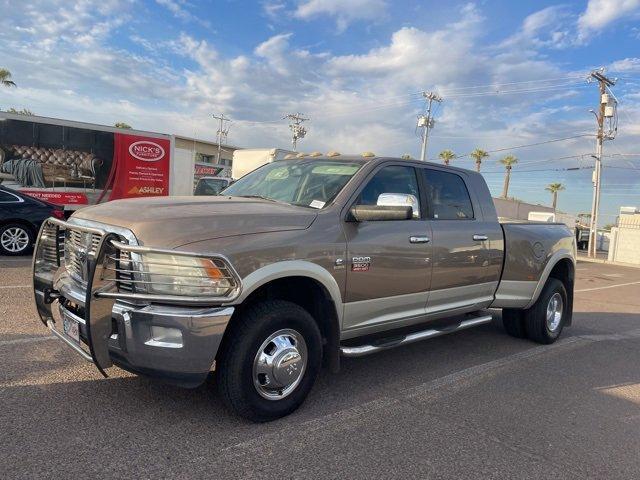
(71, 328)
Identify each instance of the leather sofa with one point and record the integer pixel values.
(58, 166)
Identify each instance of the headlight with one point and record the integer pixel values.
(168, 274)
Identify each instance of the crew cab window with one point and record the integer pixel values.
(393, 185)
(447, 195)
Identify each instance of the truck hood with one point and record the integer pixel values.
(169, 222)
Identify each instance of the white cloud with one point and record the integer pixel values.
(179, 10)
(627, 65)
(601, 13)
(550, 27)
(344, 11)
(274, 9)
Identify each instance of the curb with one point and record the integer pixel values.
(580, 258)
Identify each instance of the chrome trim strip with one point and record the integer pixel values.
(363, 350)
(75, 226)
(157, 343)
(176, 299)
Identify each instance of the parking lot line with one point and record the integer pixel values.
(15, 286)
(17, 341)
(606, 287)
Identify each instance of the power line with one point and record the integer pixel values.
(526, 145)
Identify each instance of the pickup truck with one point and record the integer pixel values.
(297, 264)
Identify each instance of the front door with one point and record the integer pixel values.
(389, 264)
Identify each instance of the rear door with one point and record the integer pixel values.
(389, 265)
(461, 254)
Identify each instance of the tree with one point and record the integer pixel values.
(554, 188)
(406, 156)
(5, 78)
(508, 161)
(478, 154)
(24, 111)
(447, 156)
(122, 125)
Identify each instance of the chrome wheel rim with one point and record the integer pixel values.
(14, 239)
(554, 312)
(279, 364)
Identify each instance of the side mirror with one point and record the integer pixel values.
(400, 200)
(373, 213)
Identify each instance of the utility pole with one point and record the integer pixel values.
(426, 122)
(297, 130)
(221, 133)
(606, 110)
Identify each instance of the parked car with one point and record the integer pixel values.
(20, 220)
(211, 185)
(300, 262)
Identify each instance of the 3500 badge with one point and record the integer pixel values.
(360, 264)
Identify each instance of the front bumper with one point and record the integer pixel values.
(173, 343)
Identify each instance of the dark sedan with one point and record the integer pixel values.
(20, 220)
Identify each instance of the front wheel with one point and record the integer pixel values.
(269, 360)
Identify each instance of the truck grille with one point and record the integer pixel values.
(78, 246)
(52, 245)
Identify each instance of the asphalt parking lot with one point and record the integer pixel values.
(474, 404)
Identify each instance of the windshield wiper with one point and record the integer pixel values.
(260, 197)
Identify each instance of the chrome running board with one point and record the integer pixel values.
(362, 350)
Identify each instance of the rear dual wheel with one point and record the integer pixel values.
(544, 320)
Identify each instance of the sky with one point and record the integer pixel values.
(510, 74)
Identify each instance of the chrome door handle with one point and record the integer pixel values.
(480, 238)
(419, 239)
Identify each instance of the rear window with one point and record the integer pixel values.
(448, 196)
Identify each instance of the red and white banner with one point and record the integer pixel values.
(59, 198)
(202, 170)
(141, 166)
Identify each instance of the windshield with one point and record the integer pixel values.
(308, 183)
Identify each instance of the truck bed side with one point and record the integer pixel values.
(532, 251)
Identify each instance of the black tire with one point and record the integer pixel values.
(513, 322)
(12, 227)
(535, 318)
(235, 361)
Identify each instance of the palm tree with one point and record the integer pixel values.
(554, 188)
(478, 154)
(509, 161)
(5, 78)
(447, 156)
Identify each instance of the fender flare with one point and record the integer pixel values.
(551, 263)
(293, 268)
